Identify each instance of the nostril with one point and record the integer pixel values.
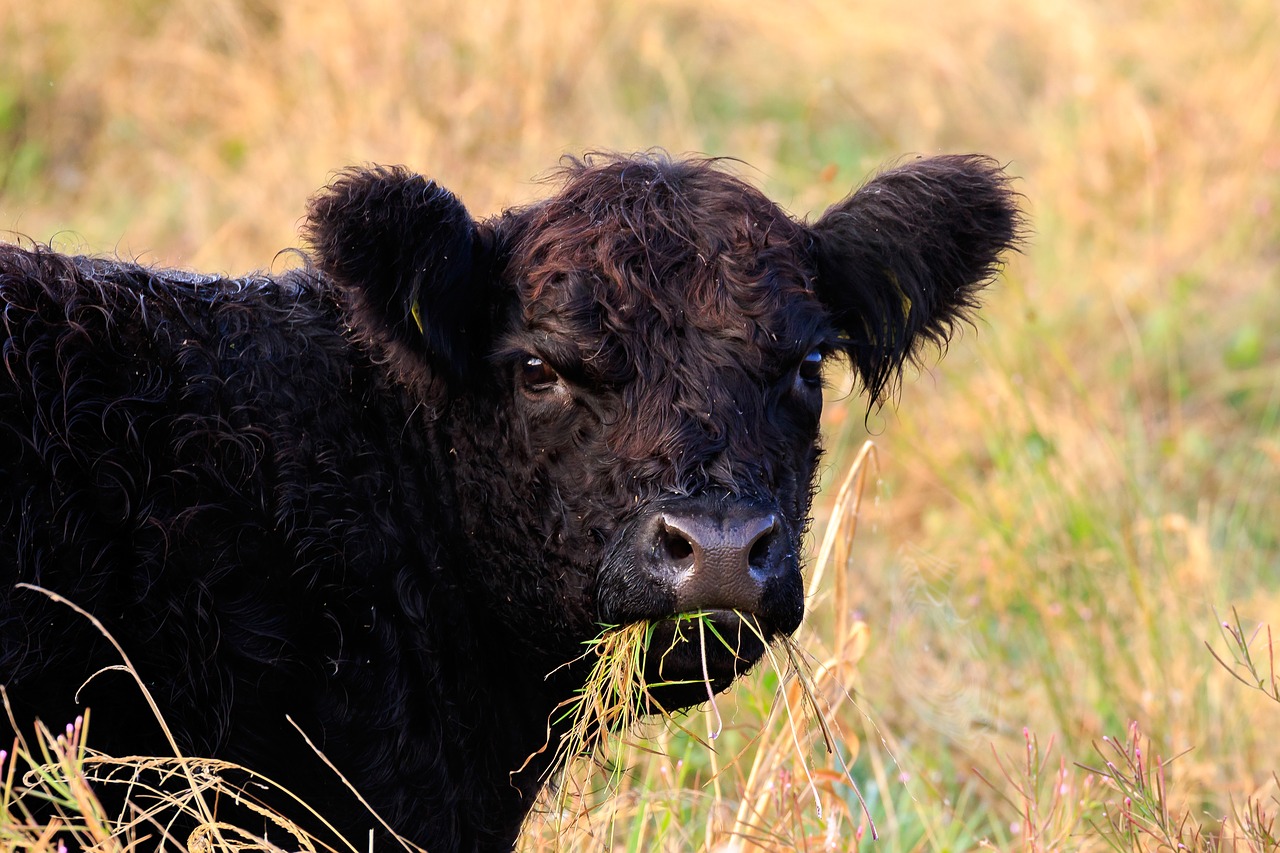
(761, 556)
(674, 544)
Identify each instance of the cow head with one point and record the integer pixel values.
(628, 375)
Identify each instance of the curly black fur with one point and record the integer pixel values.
(388, 495)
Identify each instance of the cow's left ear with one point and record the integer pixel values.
(901, 260)
(412, 262)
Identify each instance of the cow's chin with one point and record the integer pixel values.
(692, 656)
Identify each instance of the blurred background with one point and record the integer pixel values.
(1065, 511)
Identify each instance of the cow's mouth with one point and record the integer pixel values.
(693, 655)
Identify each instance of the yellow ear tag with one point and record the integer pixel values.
(416, 313)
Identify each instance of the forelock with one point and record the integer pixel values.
(647, 221)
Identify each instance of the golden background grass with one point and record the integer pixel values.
(1067, 506)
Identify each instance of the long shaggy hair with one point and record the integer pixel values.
(391, 494)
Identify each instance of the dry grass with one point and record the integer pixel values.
(51, 801)
(1064, 508)
(51, 792)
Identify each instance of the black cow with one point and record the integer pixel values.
(391, 493)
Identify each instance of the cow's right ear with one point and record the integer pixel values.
(411, 261)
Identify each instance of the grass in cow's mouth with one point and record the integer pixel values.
(614, 699)
(617, 694)
(611, 700)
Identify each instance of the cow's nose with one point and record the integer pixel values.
(714, 561)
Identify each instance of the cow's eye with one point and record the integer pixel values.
(536, 374)
(810, 371)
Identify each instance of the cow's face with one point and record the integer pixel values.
(629, 376)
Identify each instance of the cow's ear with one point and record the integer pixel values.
(412, 263)
(901, 260)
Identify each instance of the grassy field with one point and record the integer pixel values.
(1057, 521)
